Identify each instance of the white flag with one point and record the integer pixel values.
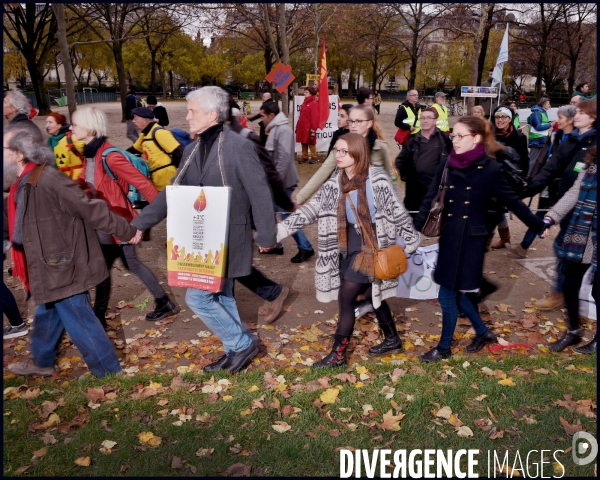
(502, 58)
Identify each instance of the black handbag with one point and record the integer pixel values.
(433, 224)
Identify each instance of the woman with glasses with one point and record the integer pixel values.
(508, 135)
(361, 120)
(357, 208)
(473, 178)
(342, 120)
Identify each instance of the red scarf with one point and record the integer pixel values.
(18, 256)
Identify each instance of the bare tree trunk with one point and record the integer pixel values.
(477, 39)
(121, 76)
(59, 13)
(484, 44)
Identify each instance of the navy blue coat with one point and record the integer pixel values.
(464, 232)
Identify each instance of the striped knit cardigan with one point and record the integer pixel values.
(391, 220)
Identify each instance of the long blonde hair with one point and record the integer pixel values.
(370, 113)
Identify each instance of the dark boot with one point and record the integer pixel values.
(572, 337)
(391, 344)
(504, 238)
(481, 341)
(164, 308)
(337, 357)
(587, 349)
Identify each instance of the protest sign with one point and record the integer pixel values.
(323, 136)
(197, 232)
(417, 281)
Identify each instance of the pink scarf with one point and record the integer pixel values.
(463, 160)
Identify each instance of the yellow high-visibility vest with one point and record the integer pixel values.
(410, 119)
(442, 121)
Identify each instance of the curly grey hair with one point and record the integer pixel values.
(211, 98)
(29, 141)
(18, 101)
(567, 111)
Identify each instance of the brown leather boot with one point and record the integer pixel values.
(504, 238)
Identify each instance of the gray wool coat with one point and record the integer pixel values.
(251, 197)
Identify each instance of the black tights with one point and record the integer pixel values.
(346, 299)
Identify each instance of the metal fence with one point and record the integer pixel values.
(81, 97)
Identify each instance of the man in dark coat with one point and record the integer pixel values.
(160, 112)
(266, 98)
(407, 116)
(52, 223)
(131, 101)
(219, 153)
(419, 159)
(257, 282)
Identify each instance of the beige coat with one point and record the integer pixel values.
(380, 156)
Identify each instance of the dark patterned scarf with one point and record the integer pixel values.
(584, 221)
(364, 262)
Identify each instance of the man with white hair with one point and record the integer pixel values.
(56, 254)
(220, 155)
(17, 108)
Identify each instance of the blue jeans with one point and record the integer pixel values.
(76, 316)
(449, 306)
(219, 313)
(299, 236)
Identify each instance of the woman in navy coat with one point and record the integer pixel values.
(474, 177)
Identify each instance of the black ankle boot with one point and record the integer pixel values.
(587, 349)
(481, 341)
(164, 308)
(391, 344)
(572, 337)
(337, 357)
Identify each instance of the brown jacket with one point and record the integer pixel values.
(63, 254)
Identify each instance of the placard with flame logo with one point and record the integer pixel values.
(197, 233)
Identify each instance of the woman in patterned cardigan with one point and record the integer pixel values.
(345, 268)
(579, 247)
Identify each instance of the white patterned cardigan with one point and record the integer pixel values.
(391, 220)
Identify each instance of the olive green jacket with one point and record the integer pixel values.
(380, 156)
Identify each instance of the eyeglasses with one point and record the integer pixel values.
(341, 152)
(357, 122)
(426, 118)
(502, 117)
(460, 137)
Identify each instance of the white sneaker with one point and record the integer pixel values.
(14, 332)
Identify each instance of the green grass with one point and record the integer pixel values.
(294, 453)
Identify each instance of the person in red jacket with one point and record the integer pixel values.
(91, 127)
(308, 122)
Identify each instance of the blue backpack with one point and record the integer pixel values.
(182, 137)
(139, 163)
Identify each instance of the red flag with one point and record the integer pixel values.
(323, 91)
